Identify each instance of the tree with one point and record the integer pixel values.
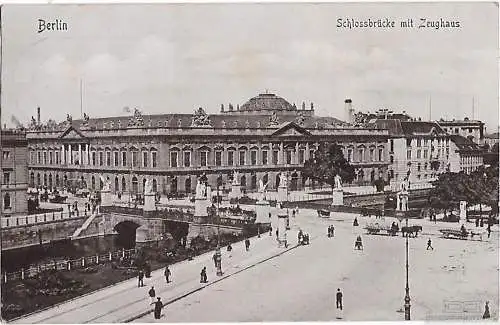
(328, 161)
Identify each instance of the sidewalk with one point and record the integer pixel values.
(125, 300)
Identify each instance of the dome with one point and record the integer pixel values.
(266, 102)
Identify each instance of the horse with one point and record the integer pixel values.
(411, 230)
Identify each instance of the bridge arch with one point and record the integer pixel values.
(127, 233)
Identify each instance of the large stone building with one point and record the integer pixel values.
(264, 137)
(14, 166)
(467, 157)
(470, 129)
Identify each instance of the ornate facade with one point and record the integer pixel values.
(263, 138)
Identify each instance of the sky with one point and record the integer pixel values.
(174, 58)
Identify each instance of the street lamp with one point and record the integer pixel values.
(407, 289)
(218, 255)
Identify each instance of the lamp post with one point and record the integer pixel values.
(218, 255)
(407, 289)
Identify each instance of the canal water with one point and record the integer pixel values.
(15, 259)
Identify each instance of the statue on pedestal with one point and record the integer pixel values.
(283, 180)
(148, 187)
(235, 178)
(262, 190)
(201, 190)
(338, 182)
(106, 184)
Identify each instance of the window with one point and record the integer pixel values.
(361, 153)
(153, 158)
(418, 167)
(50, 158)
(39, 158)
(6, 201)
(242, 158)
(144, 159)
(187, 158)
(57, 158)
(101, 158)
(124, 158)
(470, 130)
(408, 154)
(425, 154)
(230, 158)
(203, 158)
(173, 159)
(392, 145)
(108, 158)
(456, 130)
(380, 154)
(419, 142)
(264, 157)
(372, 158)
(253, 157)
(116, 156)
(45, 157)
(301, 156)
(134, 158)
(275, 157)
(218, 158)
(419, 153)
(349, 155)
(288, 154)
(392, 159)
(6, 155)
(94, 159)
(6, 178)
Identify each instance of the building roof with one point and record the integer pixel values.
(267, 101)
(465, 121)
(464, 144)
(492, 136)
(393, 125)
(400, 128)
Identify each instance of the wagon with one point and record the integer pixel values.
(323, 213)
(458, 234)
(376, 229)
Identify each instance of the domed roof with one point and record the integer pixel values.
(264, 102)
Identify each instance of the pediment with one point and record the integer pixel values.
(72, 133)
(291, 129)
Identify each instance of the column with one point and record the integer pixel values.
(306, 154)
(281, 154)
(62, 155)
(70, 150)
(80, 158)
(297, 153)
(88, 154)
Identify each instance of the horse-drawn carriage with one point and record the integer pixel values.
(378, 229)
(461, 233)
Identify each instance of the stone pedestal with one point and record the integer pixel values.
(106, 199)
(262, 209)
(201, 210)
(282, 222)
(463, 211)
(337, 197)
(149, 202)
(282, 194)
(235, 192)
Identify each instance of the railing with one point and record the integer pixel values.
(67, 265)
(19, 221)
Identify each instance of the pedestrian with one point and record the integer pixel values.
(247, 244)
(429, 244)
(355, 223)
(332, 231)
(167, 274)
(277, 233)
(152, 295)
(489, 230)
(229, 248)
(270, 231)
(486, 311)
(141, 278)
(158, 308)
(269, 215)
(203, 275)
(339, 299)
(214, 257)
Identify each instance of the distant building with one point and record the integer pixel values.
(469, 155)
(14, 167)
(470, 129)
(264, 137)
(417, 150)
(491, 139)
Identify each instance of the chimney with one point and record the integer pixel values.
(222, 108)
(349, 111)
(38, 115)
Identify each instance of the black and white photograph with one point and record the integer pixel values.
(249, 162)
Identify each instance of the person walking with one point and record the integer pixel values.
(247, 244)
(429, 245)
(486, 311)
(167, 274)
(158, 308)
(152, 295)
(203, 275)
(489, 230)
(140, 276)
(339, 299)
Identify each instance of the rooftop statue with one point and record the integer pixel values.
(273, 119)
(300, 119)
(69, 118)
(200, 118)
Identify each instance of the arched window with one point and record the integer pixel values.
(243, 181)
(187, 184)
(32, 179)
(219, 180)
(143, 184)
(117, 184)
(155, 186)
(173, 185)
(6, 201)
(44, 179)
(135, 185)
(66, 180)
(265, 179)
(57, 181)
(38, 182)
(294, 181)
(253, 182)
(124, 184)
(277, 180)
(93, 182)
(50, 180)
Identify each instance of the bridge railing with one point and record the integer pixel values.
(67, 265)
(18, 221)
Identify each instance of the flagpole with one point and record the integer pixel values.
(81, 98)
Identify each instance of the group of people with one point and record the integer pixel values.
(331, 231)
(303, 238)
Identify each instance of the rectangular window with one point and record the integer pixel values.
(45, 158)
(253, 157)
(187, 158)
(218, 158)
(134, 158)
(301, 156)
(425, 154)
(6, 155)
(144, 159)
(349, 155)
(392, 145)
(94, 159)
(418, 154)
(153, 158)
(173, 159)
(117, 163)
(50, 158)
(39, 158)
(419, 142)
(380, 154)
(108, 158)
(242, 158)
(264, 157)
(203, 158)
(124, 158)
(289, 157)
(275, 157)
(230, 158)
(372, 154)
(101, 158)
(57, 158)
(408, 154)
(6, 178)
